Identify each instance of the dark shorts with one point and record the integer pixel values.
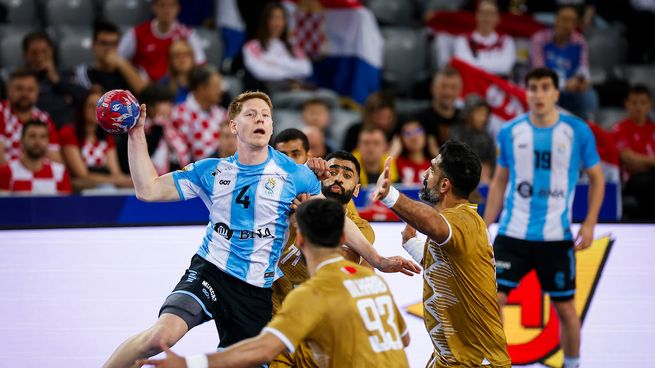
(239, 309)
(554, 262)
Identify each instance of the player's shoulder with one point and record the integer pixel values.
(465, 214)
(510, 124)
(286, 163)
(204, 165)
(574, 122)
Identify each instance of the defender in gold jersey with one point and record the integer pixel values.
(344, 312)
(459, 295)
(341, 185)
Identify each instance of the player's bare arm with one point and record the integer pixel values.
(356, 241)
(596, 193)
(248, 353)
(495, 196)
(424, 218)
(149, 186)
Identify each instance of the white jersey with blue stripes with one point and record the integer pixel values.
(544, 166)
(248, 211)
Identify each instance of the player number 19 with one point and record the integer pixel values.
(372, 311)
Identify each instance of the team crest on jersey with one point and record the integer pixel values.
(270, 185)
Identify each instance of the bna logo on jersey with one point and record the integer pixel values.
(530, 321)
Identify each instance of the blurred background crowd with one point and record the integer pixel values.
(378, 77)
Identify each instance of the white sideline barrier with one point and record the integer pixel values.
(69, 297)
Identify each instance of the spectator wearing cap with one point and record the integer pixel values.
(473, 131)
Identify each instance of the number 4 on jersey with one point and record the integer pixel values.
(242, 198)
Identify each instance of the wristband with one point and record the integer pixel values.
(391, 198)
(197, 361)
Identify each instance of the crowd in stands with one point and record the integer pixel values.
(50, 142)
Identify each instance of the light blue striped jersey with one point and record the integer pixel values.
(248, 210)
(544, 166)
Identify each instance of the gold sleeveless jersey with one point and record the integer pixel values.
(293, 266)
(459, 295)
(346, 316)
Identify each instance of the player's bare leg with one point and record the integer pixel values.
(168, 329)
(569, 328)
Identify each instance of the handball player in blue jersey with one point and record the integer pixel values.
(249, 197)
(541, 155)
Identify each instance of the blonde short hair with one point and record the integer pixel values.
(237, 103)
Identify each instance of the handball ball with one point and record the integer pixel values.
(117, 111)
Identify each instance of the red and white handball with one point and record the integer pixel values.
(117, 111)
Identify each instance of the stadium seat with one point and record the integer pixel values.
(69, 12)
(75, 49)
(126, 13)
(394, 12)
(212, 44)
(21, 12)
(406, 107)
(606, 49)
(606, 117)
(638, 74)
(296, 98)
(286, 118)
(342, 119)
(232, 85)
(11, 40)
(405, 58)
(436, 5)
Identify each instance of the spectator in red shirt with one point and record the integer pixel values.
(19, 107)
(415, 156)
(33, 172)
(635, 140)
(147, 44)
(89, 151)
(195, 131)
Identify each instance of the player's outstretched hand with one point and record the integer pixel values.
(172, 360)
(399, 264)
(319, 167)
(585, 237)
(383, 184)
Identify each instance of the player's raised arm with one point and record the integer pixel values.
(424, 218)
(358, 242)
(149, 186)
